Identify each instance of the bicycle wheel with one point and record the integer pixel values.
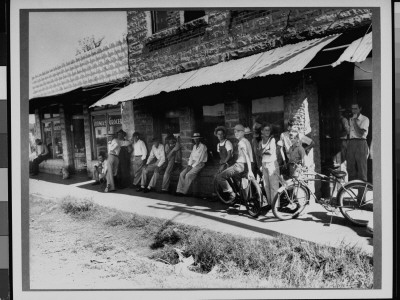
(289, 202)
(223, 197)
(253, 200)
(356, 202)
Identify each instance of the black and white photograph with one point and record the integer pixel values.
(179, 148)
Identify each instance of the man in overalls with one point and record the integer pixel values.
(224, 148)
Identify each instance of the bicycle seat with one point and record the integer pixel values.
(337, 174)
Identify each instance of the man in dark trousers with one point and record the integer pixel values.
(357, 148)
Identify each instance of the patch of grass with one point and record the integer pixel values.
(293, 262)
(80, 208)
(280, 262)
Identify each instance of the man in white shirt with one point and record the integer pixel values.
(139, 157)
(197, 161)
(154, 162)
(243, 162)
(357, 148)
(112, 163)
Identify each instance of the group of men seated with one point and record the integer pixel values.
(256, 156)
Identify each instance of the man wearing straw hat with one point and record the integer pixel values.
(243, 162)
(198, 158)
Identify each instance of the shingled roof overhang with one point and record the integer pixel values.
(83, 95)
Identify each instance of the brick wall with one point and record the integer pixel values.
(227, 37)
(128, 124)
(301, 105)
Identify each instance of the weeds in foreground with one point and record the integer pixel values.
(79, 208)
(280, 262)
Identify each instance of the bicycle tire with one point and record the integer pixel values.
(357, 211)
(283, 209)
(253, 204)
(223, 197)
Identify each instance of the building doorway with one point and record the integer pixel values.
(78, 140)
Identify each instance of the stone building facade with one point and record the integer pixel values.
(163, 44)
(218, 36)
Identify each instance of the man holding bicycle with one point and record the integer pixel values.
(243, 163)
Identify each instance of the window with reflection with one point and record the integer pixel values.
(52, 138)
(213, 116)
(105, 125)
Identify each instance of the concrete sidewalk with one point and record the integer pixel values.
(311, 226)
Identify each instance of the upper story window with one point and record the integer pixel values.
(242, 16)
(158, 20)
(190, 15)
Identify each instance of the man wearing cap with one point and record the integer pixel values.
(224, 148)
(154, 162)
(198, 158)
(243, 162)
(173, 157)
(139, 157)
(357, 148)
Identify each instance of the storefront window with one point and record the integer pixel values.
(52, 138)
(103, 131)
(269, 110)
(213, 116)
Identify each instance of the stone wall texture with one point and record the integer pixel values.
(227, 35)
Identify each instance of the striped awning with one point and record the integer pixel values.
(287, 59)
(357, 51)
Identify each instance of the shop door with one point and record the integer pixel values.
(79, 151)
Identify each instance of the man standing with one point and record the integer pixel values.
(173, 158)
(357, 148)
(112, 163)
(243, 163)
(224, 148)
(157, 153)
(42, 153)
(197, 161)
(139, 157)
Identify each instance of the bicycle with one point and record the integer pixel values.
(247, 191)
(354, 199)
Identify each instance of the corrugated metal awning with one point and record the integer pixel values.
(357, 50)
(286, 59)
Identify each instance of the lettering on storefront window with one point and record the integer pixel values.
(111, 121)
